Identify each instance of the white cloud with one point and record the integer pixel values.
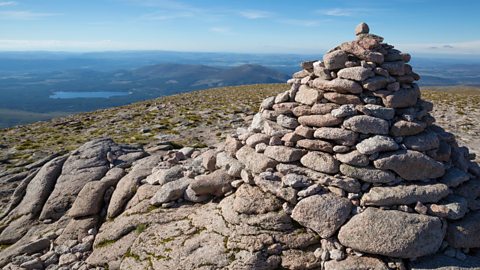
(52, 45)
(345, 12)
(7, 3)
(466, 47)
(23, 15)
(255, 14)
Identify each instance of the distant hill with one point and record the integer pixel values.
(29, 93)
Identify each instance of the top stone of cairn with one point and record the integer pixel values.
(362, 28)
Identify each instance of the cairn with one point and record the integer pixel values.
(353, 152)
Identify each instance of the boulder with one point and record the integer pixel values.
(161, 176)
(128, 185)
(338, 98)
(377, 111)
(40, 187)
(87, 163)
(422, 142)
(321, 162)
(356, 73)
(335, 59)
(216, 183)
(454, 177)
(171, 191)
(342, 86)
(405, 194)
(404, 128)
(307, 95)
(367, 174)
(367, 124)
(402, 98)
(362, 28)
(254, 161)
(326, 120)
(465, 233)
(322, 213)
(90, 199)
(393, 233)
(356, 263)
(354, 158)
(410, 165)
(344, 111)
(284, 153)
(338, 135)
(315, 145)
(376, 144)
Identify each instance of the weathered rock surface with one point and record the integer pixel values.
(253, 161)
(321, 162)
(356, 263)
(393, 233)
(367, 174)
(88, 163)
(405, 194)
(322, 213)
(411, 165)
(367, 124)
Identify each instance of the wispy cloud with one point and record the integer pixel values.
(17, 44)
(255, 14)
(24, 15)
(221, 30)
(7, 3)
(344, 12)
(302, 22)
(467, 47)
(163, 16)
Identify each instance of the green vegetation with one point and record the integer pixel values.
(199, 119)
(183, 119)
(140, 228)
(105, 243)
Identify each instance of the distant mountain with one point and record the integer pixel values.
(24, 94)
(201, 75)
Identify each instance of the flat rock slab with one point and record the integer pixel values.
(410, 165)
(367, 174)
(377, 144)
(87, 163)
(339, 135)
(367, 124)
(393, 233)
(403, 194)
(322, 213)
(284, 153)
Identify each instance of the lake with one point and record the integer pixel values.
(98, 94)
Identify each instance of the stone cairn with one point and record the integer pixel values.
(346, 170)
(353, 151)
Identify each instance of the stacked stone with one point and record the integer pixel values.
(353, 151)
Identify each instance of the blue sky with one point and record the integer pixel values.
(261, 26)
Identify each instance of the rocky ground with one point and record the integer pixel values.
(138, 226)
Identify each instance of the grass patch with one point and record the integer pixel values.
(105, 243)
(140, 228)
